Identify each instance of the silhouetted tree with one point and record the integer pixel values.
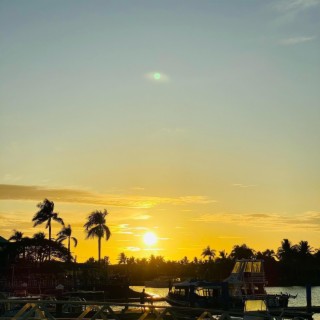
(304, 250)
(208, 252)
(46, 214)
(66, 234)
(96, 228)
(122, 259)
(286, 251)
(223, 255)
(241, 252)
(184, 260)
(17, 236)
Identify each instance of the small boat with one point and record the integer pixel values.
(246, 282)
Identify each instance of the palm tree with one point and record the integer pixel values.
(304, 249)
(241, 252)
(65, 234)
(17, 236)
(46, 214)
(286, 251)
(208, 252)
(223, 256)
(96, 228)
(122, 258)
(39, 246)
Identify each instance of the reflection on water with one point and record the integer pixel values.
(299, 301)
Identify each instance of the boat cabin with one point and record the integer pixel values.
(247, 278)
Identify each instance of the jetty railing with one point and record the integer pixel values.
(23, 309)
(79, 310)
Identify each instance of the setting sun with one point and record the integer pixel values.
(150, 238)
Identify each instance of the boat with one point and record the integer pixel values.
(246, 282)
(200, 294)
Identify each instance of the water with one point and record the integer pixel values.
(299, 301)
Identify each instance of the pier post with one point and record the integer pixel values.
(308, 296)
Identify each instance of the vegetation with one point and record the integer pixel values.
(96, 228)
(46, 214)
(65, 234)
(291, 264)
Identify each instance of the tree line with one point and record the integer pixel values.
(290, 264)
(40, 249)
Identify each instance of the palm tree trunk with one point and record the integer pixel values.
(49, 239)
(69, 257)
(99, 249)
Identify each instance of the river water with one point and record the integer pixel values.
(299, 301)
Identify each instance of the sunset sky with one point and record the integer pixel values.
(196, 120)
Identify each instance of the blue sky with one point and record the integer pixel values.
(233, 119)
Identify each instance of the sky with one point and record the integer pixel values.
(195, 120)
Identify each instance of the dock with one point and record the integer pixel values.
(22, 309)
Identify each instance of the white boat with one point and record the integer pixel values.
(246, 282)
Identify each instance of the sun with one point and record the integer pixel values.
(149, 238)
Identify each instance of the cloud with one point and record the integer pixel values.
(295, 5)
(127, 229)
(142, 217)
(270, 221)
(240, 185)
(9, 222)
(37, 193)
(133, 249)
(296, 40)
(289, 10)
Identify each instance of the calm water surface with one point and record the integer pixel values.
(300, 300)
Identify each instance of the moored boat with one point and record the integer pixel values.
(246, 282)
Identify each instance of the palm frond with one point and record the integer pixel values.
(57, 219)
(94, 232)
(75, 241)
(106, 231)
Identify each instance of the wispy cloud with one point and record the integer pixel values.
(133, 249)
(142, 217)
(296, 40)
(127, 229)
(273, 221)
(289, 10)
(295, 5)
(37, 193)
(240, 185)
